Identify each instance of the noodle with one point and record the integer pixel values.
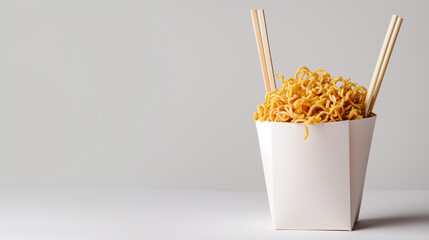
(313, 97)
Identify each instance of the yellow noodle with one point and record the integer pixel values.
(313, 97)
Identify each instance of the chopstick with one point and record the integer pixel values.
(385, 62)
(378, 65)
(261, 35)
(266, 43)
(382, 62)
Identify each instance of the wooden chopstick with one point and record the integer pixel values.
(377, 69)
(258, 37)
(266, 45)
(385, 62)
(261, 35)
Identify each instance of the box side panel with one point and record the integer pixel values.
(264, 130)
(311, 178)
(360, 144)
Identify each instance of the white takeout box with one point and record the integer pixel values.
(315, 184)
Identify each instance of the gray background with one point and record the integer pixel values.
(161, 94)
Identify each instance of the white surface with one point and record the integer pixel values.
(115, 93)
(315, 183)
(184, 214)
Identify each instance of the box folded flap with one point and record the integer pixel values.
(360, 144)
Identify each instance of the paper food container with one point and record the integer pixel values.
(315, 184)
